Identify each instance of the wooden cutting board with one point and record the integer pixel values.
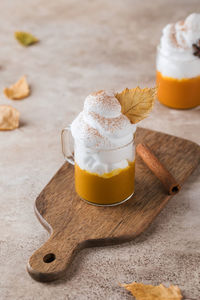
(74, 224)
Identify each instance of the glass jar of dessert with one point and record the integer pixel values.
(178, 64)
(104, 151)
(100, 143)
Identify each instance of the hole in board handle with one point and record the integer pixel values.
(48, 258)
(175, 189)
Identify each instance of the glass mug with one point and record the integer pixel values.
(108, 189)
(175, 92)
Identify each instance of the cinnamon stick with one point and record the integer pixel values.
(152, 162)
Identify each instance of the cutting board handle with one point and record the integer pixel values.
(50, 261)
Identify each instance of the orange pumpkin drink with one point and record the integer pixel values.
(104, 148)
(178, 64)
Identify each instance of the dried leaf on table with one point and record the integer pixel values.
(19, 90)
(25, 38)
(149, 292)
(9, 117)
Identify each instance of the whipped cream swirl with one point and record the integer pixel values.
(176, 57)
(101, 127)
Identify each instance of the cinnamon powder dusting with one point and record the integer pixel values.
(110, 124)
(95, 135)
(183, 25)
(173, 36)
(103, 98)
(97, 93)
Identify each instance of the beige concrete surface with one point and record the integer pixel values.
(85, 46)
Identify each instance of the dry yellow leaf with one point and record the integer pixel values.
(149, 292)
(19, 90)
(9, 117)
(25, 38)
(137, 103)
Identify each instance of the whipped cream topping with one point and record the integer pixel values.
(176, 58)
(100, 133)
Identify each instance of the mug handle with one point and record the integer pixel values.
(67, 143)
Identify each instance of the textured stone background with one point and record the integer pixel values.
(88, 45)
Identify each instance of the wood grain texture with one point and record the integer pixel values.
(74, 224)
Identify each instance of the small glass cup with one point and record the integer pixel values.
(178, 93)
(108, 189)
